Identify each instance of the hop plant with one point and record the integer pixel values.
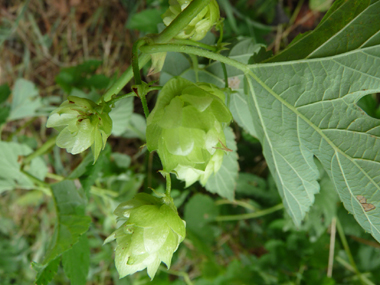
(82, 124)
(186, 127)
(200, 25)
(150, 234)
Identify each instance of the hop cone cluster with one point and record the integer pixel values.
(81, 125)
(200, 25)
(186, 128)
(151, 234)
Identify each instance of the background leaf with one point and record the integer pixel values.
(10, 172)
(76, 261)
(121, 115)
(4, 93)
(46, 273)
(71, 222)
(146, 21)
(223, 182)
(25, 100)
(200, 211)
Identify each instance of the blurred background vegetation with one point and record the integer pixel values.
(50, 49)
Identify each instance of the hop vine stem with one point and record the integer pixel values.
(178, 24)
(149, 49)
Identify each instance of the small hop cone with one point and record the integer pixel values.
(200, 25)
(186, 127)
(81, 126)
(150, 235)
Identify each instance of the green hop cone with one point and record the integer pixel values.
(150, 235)
(186, 127)
(200, 25)
(81, 125)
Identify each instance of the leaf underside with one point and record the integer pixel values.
(307, 108)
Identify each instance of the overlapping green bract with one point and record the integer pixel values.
(186, 128)
(81, 125)
(150, 235)
(200, 25)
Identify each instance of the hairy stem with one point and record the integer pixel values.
(40, 151)
(135, 60)
(194, 51)
(178, 24)
(114, 100)
(193, 43)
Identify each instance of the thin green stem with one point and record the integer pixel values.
(178, 24)
(364, 279)
(168, 184)
(145, 105)
(182, 274)
(347, 249)
(250, 215)
(235, 202)
(196, 51)
(296, 12)
(35, 180)
(114, 100)
(194, 60)
(135, 60)
(193, 43)
(46, 147)
(220, 40)
(125, 78)
(182, 20)
(101, 192)
(332, 247)
(225, 75)
(25, 125)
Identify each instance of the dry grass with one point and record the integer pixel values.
(52, 34)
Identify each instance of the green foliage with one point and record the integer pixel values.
(347, 26)
(146, 20)
(200, 211)
(223, 182)
(25, 100)
(150, 234)
(82, 77)
(71, 224)
(11, 175)
(76, 261)
(305, 132)
(82, 124)
(45, 273)
(200, 25)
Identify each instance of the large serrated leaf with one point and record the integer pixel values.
(307, 108)
(348, 25)
(224, 181)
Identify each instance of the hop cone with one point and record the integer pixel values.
(80, 125)
(151, 234)
(200, 25)
(186, 128)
